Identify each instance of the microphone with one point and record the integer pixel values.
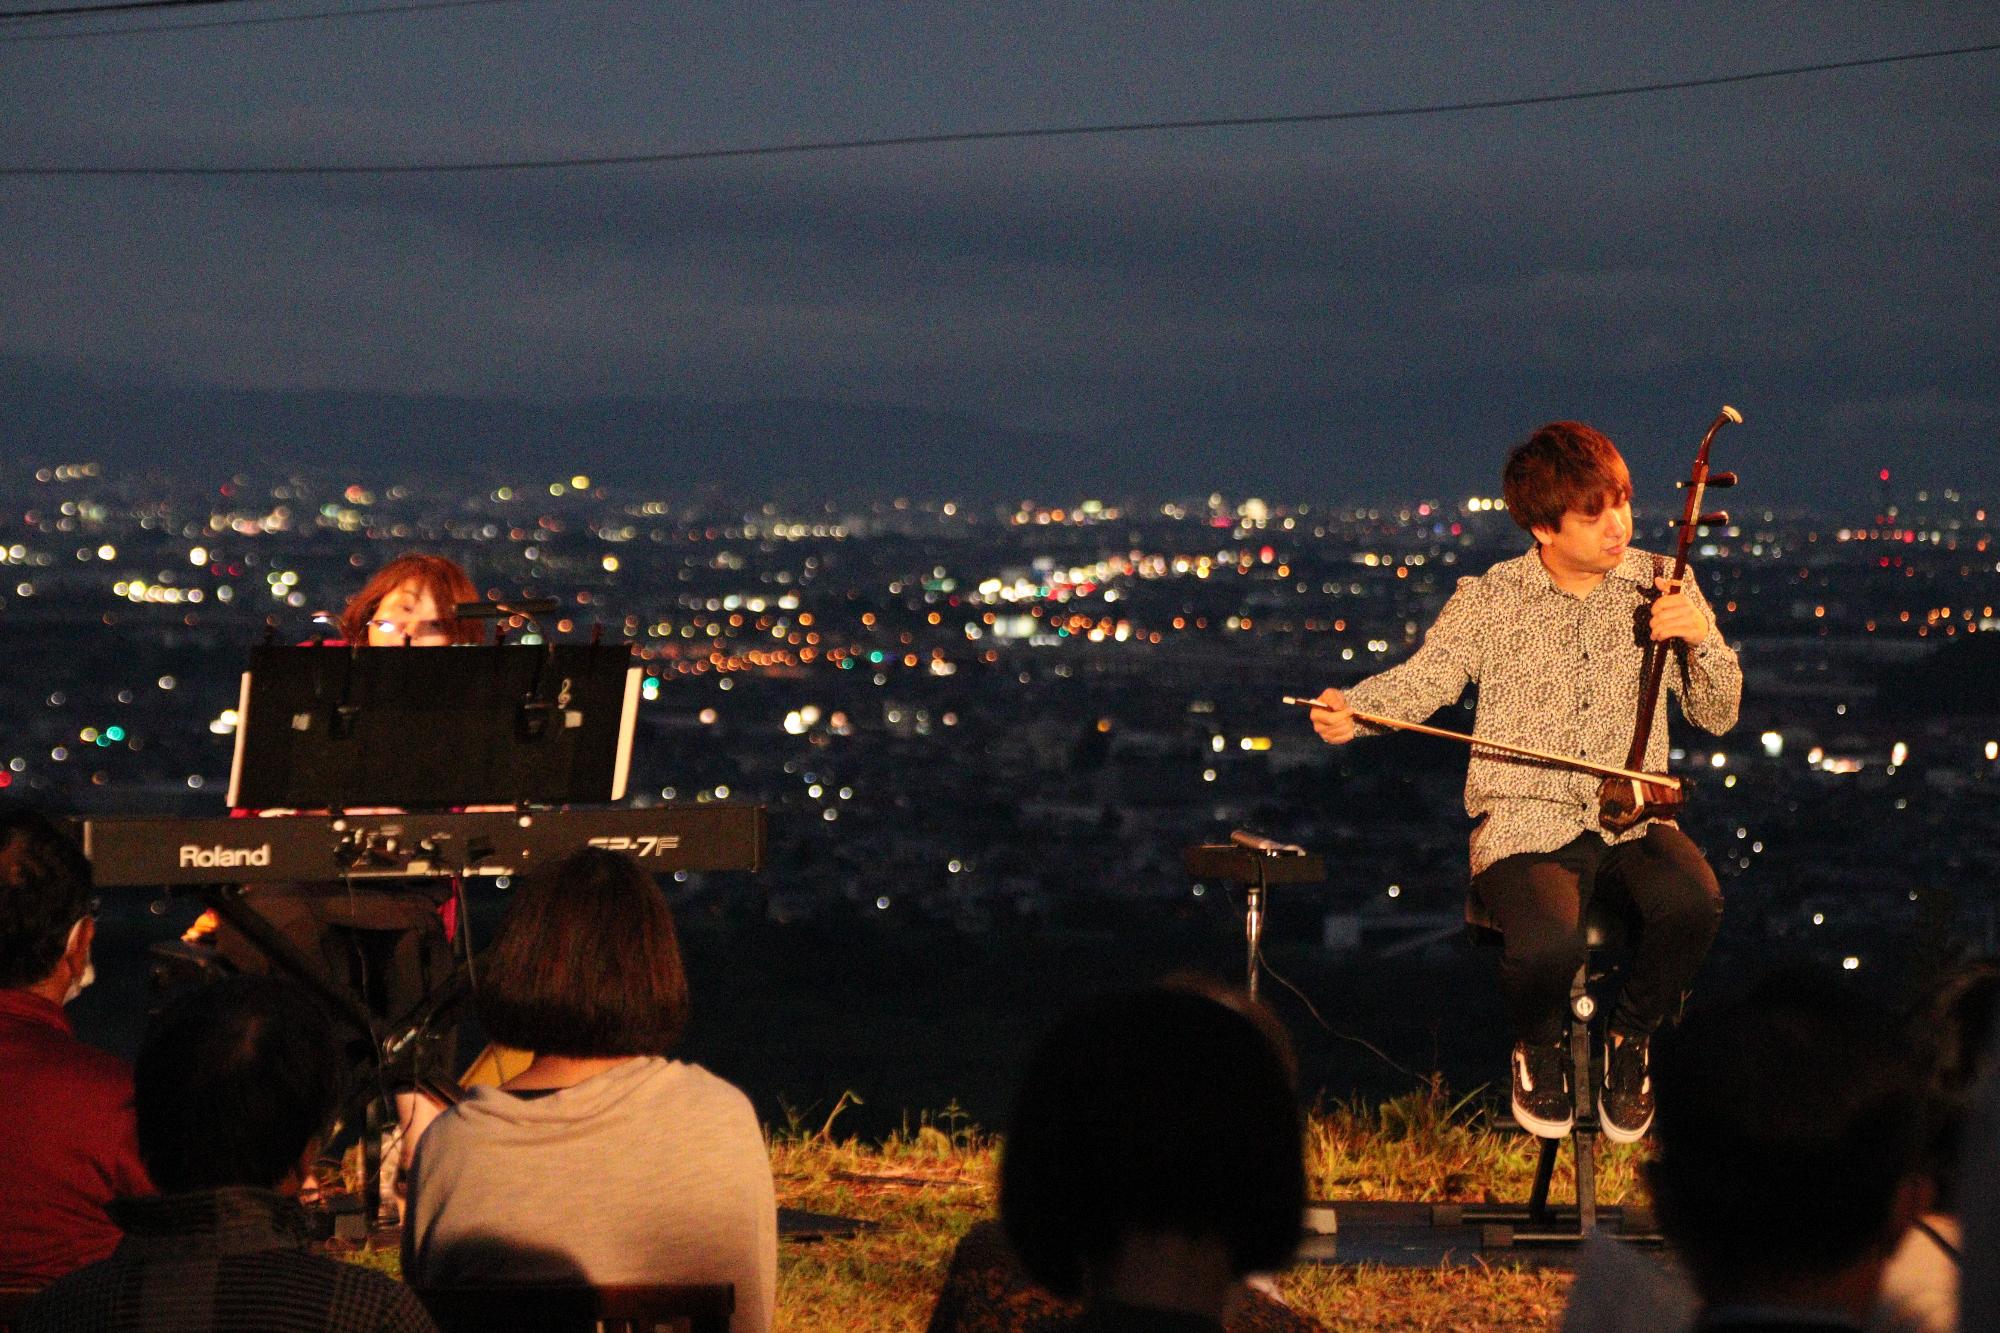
(501, 610)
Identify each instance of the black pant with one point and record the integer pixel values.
(1540, 900)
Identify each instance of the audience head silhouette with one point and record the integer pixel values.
(1166, 1120)
(234, 1083)
(586, 964)
(1956, 1028)
(45, 902)
(1790, 1125)
(234, 1086)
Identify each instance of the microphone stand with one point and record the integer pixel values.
(1253, 926)
(1253, 897)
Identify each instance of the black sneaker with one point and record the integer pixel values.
(1626, 1110)
(1542, 1104)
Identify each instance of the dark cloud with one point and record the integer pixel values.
(1376, 305)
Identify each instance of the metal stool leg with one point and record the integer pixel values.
(1584, 1092)
(1545, 1171)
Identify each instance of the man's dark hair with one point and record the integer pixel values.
(45, 887)
(587, 963)
(1563, 466)
(1160, 1110)
(1787, 1121)
(232, 1082)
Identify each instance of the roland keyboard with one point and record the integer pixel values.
(148, 851)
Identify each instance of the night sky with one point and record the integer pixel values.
(1330, 311)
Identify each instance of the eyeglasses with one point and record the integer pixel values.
(408, 628)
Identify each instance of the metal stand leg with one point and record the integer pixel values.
(1253, 931)
(1545, 1173)
(372, 1123)
(1582, 1009)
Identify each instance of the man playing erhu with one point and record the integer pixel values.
(1548, 638)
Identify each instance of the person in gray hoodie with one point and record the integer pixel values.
(604, 1162)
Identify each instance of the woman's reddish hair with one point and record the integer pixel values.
(447, 584)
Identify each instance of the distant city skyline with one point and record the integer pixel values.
(986, 733)
(1877, 505)
(1366, 309)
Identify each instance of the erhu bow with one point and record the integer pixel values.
(1611, 772)
(1624, 800)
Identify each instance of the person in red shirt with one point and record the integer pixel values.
(71, 1142)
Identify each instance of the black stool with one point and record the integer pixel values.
(1606, 928)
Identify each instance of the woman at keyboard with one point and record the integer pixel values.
(388, 947)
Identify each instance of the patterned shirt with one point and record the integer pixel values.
(231, 1260)
(1556, 673)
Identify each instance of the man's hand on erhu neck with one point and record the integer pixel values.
(1675, 616)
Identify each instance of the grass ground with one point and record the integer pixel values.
(924, 1187)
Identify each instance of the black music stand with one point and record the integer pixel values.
(338, 728)
(511, 724)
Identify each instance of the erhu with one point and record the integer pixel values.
(1623, 800)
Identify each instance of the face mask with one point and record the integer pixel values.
(89, 973)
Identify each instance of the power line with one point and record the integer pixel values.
(991, 136)
(318, 15)
(118, 6)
